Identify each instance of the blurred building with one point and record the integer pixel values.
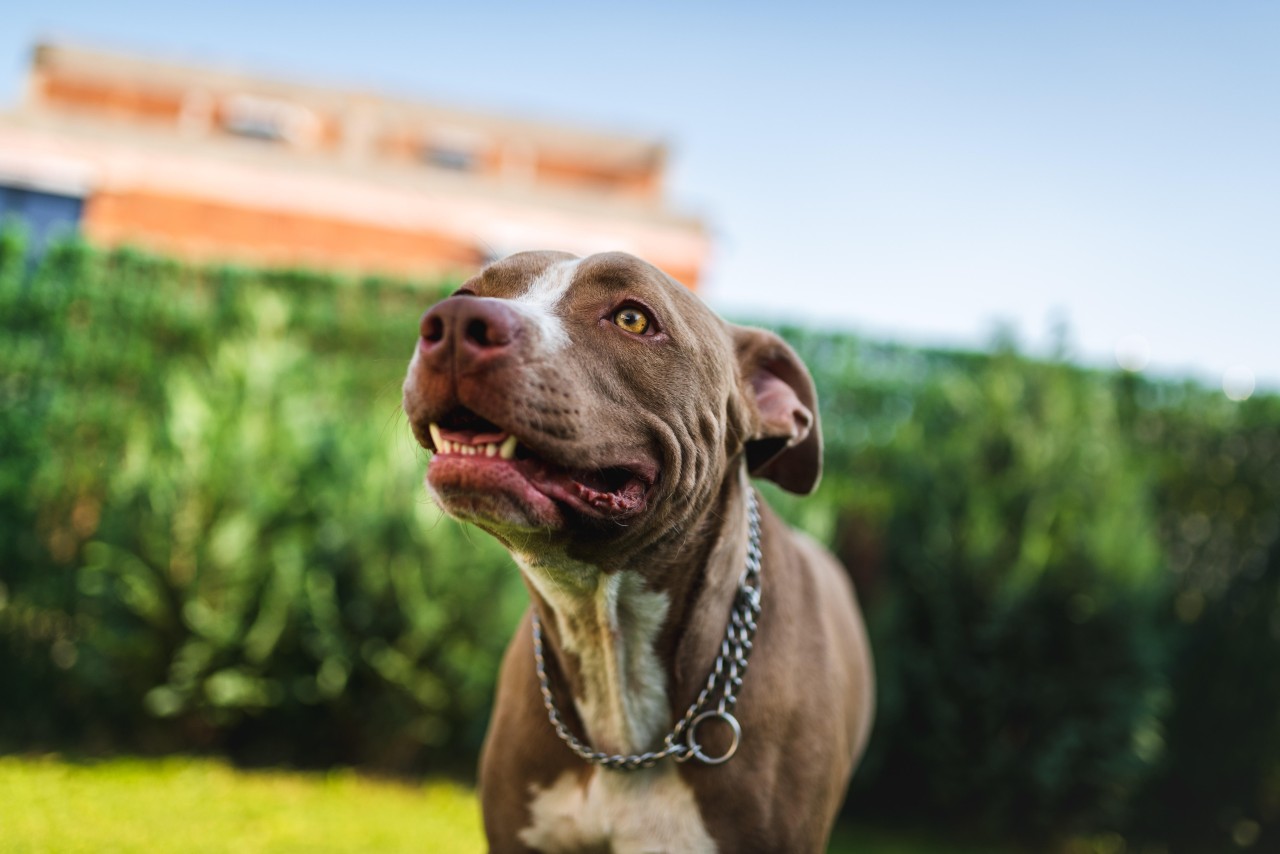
(209, 164)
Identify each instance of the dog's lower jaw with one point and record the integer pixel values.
(500, 514)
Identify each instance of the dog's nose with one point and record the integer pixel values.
(469, 330)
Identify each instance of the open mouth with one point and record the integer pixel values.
(474, 455)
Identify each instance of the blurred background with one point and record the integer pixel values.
(1029, 253)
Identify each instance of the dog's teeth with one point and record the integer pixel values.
(506, 450)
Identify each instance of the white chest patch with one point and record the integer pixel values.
(539, 302)
(610, 624)
(638, 812)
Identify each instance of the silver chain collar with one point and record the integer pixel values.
(726, 676)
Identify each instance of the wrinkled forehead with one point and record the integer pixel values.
(512, 277)
(551, 283)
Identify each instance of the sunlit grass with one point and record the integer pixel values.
(191, 805)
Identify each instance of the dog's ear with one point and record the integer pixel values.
(784, 441)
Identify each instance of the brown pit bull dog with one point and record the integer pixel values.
(602, 423)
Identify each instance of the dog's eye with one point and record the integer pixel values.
(633, 320)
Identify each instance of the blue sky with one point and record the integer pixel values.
(920, 170)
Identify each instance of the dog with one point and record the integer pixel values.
(691, 675)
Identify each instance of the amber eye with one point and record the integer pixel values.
(633, 320)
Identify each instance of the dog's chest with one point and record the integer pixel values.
(637, 812)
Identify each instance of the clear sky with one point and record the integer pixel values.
(919, 170)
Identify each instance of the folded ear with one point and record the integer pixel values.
(784, 443)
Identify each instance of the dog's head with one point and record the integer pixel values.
(596, 405)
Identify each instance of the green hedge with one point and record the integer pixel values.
(213, 536)
(1071, 580)
(214, 531)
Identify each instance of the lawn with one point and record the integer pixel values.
(193, 806)
(200, 805)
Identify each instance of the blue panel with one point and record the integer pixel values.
(45, 216)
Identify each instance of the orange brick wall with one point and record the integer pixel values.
(202, 230)
(208, 231)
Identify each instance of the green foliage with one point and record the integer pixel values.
(1055, 564)
(1000, 529)
(1218, 497)
(218, 535)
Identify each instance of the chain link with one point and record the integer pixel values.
(726, 675)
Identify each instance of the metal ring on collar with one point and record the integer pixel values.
(696, 748)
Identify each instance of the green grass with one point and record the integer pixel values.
(196, 805)
(201, 805)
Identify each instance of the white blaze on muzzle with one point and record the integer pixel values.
(540, 302)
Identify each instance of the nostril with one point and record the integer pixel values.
(477, 332)
(432, 329)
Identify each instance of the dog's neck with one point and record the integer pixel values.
(622, 640)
